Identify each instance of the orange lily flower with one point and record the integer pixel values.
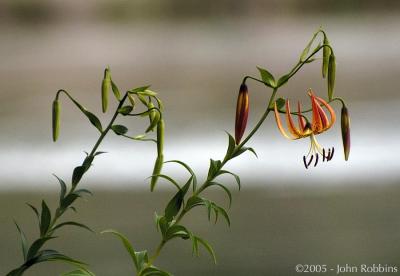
(320, 123)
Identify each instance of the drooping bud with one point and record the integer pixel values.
(105, 87)
(331, 76)
(56, 119)
(154, 116)
(242, 112)
(326, 52)
(160, 156)
(345, 123)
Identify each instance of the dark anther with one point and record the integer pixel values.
(323, 155)
(305, 162)
(316, 160)
(331, 154)
(311, 159)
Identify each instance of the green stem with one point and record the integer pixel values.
(295, 69)
(103, 134)
(226, 159)
(255, 79)
(157, 253)
(301, 64)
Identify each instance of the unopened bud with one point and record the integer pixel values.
(105, 87)
(331, 76)
(242, 112)
(56, 119)
(345, 124)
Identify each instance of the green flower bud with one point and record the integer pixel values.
(331, 76)
(326, 52)
(105, 87)
(160, 136)
(56, 119)
(345, 125)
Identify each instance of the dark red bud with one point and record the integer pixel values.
(345, 124)
(242, 112)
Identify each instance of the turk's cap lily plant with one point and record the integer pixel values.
(145, 103)
(319, 124)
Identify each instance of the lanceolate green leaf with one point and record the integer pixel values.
(237, 178)
(174, 205)
(280, 103)
(215, 165)
(169, 179)
(139, 89)
(24, 242)
(77, 175)
(194, 178)
(244, 149)
(36, 246)
(282, 80)
(92, 118)
(225, 189)
(68, 200)
(72, 223)
(231, 146)
(35, 210)
(45, 219)
(125, 110)
(306, 50)
(63, 187)
(153, 271)
(82, 192)
(176, 202)
(223, 213)
(52, 255)
(142, 259)
(208, 247)
(177, 231)
(119, 129)
(115, 90)
(267, 77)
(79, 272)
(126, 244)
(194, 201)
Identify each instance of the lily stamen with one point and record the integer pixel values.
(320, 123)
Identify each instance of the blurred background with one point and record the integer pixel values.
(195, 54)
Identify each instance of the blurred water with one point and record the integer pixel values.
(196, 68)
(337, 213)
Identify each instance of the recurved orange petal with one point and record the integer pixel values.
(279, 123)
(317, 125)
(302, 121)
(292, 128)
(330, 110)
